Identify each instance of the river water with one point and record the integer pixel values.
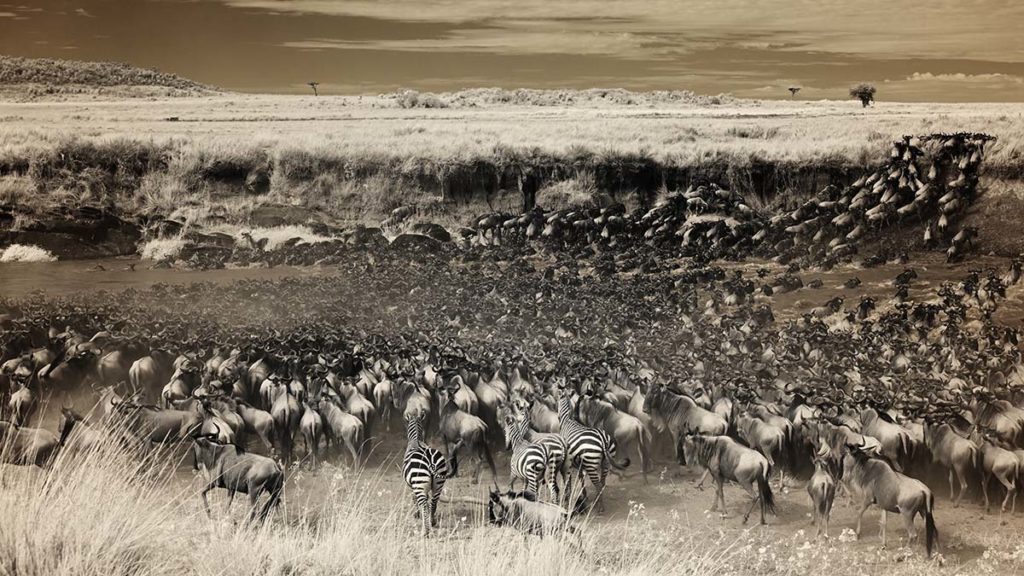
(69, 277)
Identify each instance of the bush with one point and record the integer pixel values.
(413, 99)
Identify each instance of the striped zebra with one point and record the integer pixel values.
(425, 471)
(556, 449)
(529, 460)
(590, 451)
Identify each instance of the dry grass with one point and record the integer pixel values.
(106, 511)
(26, 253)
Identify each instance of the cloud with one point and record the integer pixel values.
(83, 12)
(888, 28)
(960, 77)
(8, 15)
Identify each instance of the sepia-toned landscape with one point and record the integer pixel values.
(317, 301)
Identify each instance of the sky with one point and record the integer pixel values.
(935, 50)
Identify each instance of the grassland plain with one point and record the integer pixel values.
(351, 158)
(147, 515)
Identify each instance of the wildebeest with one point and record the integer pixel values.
(953, 451)
(342, 427)
(1000, 462)
(529, 516)
(151, 373)
(76, 435)
(822, 490)
(151, 424)
(874, 481)
(679, 413)
(228, 466)
(896, 442)
(628, 431)
(24, 446)
(725, 459)
(461, 429)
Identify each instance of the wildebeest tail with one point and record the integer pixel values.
(765, 491)
(275, 487)
(931, 533)
(611, 459)
(822, 503)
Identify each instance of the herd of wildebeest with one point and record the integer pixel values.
(524, 342)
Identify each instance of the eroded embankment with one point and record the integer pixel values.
(86, 199)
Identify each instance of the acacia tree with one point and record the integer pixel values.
(313, 85)
(793, 90)
(864, 92)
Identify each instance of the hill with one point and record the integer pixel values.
(44, 77)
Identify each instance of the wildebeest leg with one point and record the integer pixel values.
(703, 477)
(828, 513)
(749, 488)
(206, 503)
(1011, 492)
(984, 489)
(231, 498)
(275, 498)
(350, 444)
(254, 497)
(719, 497)
(952, 494)
(908, 523)
(881, 524)
(860, 514)
(479, 465)
(962, 476)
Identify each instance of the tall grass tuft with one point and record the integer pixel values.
(26, 253)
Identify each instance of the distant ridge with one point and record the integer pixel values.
(45, 76)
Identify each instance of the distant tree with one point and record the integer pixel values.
(313, 85)
(793, 90)
(863, 92)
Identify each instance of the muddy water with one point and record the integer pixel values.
(64, 278)
(877, 282)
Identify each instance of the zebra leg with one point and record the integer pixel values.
(433, 505)
(425, 514)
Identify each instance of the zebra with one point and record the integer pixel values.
(529, 460)
(590, 450)
(556, 450)
(425, 471)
